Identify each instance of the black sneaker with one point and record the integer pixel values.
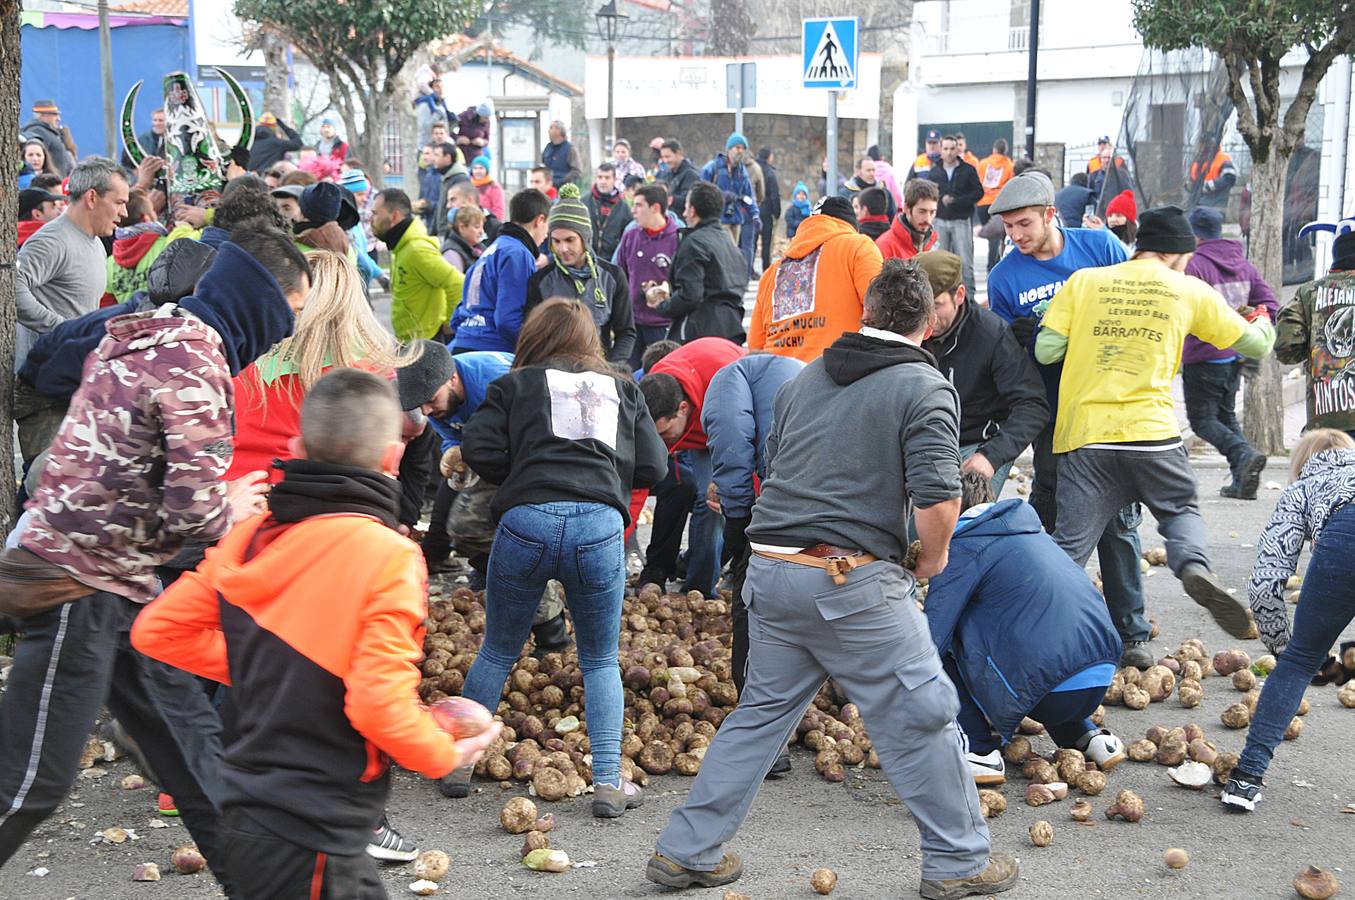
(1242, 792)
(387, 845)
(780, 768)
(1136, 654)
(1249, 476)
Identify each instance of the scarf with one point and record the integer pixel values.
(482, 182)
(578, 276)
(311, 488)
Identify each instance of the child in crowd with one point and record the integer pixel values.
(798, 210)
(314, 713)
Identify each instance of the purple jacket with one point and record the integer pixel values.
(1223, 264)
(646, 257)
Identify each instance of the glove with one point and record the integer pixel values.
(736, 542)
(1023, 329)
(451, 463)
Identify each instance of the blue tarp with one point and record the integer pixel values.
(62, 64)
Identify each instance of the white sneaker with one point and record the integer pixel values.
(987, 769)
(1106, 750)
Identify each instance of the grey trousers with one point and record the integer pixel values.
(1094, 484)
(957, 236)
(870, 637)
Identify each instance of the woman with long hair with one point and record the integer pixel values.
(336, 328)
(35, 154)
(566, 440)
(1317, 506)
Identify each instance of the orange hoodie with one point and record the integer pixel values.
(816, 291)
(318, 627)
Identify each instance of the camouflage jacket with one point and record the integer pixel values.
(136, 469)
(1317, 328)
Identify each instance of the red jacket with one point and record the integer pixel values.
(694, 365)
(897, 242)
(28, 228)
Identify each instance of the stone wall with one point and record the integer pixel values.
(798, 141)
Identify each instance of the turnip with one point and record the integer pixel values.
(518, 815)
(823, 881)
(1041, 833)
(1316, 884)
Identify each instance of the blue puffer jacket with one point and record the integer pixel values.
(737, 417)
(740, 206)
(493, 300)
(55, 365)
(1016, 613)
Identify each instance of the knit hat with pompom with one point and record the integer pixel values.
(570, 212)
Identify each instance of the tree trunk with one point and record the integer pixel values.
(276, 77)
(9, 174)
(1263, 416)
(376, 106)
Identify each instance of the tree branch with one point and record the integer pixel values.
(1246, 119)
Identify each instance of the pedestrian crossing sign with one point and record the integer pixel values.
(831, 52)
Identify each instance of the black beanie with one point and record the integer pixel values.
(1343, 253)
(838, 208)
(1165, 229)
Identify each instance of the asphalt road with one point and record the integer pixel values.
(858, 828)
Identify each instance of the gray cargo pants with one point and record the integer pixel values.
(1094, 484)
(869, 636)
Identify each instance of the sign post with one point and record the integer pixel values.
(740, 89)
(831, 49)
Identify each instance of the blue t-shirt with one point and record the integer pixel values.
(1021, 285)
(477, 370)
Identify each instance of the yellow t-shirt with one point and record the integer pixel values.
(1125, 326)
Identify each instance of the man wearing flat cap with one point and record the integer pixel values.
(1119, 331)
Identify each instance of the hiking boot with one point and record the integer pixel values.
(1104, 749)
(1000, 875)
(987, 768)
(610, 802)
(1249, 475)
(551, 637)
(662, 870)
(781, 767)
(1203, 587)
(1136, 654)
(1242, 792)
(387, 845)
(456, 783)
(1230, 491)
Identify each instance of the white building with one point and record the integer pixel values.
(969, 68)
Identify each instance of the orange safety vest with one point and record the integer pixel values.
(1220, 159)
(1094, 164)
(922, 164)
(994, 172)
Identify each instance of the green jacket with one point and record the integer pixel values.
(1317, 328)
(425, 288)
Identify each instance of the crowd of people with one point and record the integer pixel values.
(223, 444)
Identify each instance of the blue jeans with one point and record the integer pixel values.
(1211, 405)
(1066, 715)
(748, 233)
(1326, 607)
(705, 535)
(645, 335)
(581, 546)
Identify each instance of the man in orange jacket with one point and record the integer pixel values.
(995, 170)
(814, 293)
(314, 715)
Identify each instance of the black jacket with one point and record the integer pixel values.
(853, 186)
(612, 313)
(607, 232)
(963, 187)
(771, 198)
(268, 148)
(561, 433)
(680, 181)
(708, 278)
(1002, 400)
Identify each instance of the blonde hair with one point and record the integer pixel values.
(336, 328)
(1314, 442)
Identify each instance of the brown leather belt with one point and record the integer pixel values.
(836, 561)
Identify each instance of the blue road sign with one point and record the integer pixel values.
(831, 49)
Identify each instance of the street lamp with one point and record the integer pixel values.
(611, 22)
